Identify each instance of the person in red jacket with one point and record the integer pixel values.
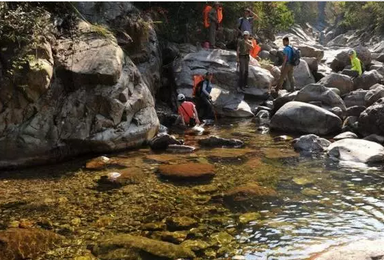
(187, 112)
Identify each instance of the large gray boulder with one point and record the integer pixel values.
(303, 75)
(375, 93)
(136, 36)
(305, 118)
(312, 62)
(317, 92)
(308, 51)
(356, 150)
(230, 104)
(342, 58)
(371, 121)
(342, 82)
(95, 103)
(355, 98)
(368, 79)
(223, 64)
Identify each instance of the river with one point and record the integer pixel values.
(319, 203)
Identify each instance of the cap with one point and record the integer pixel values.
(350, 52)
(180, 97)
(246, 33)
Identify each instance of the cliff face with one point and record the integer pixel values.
(91, 92)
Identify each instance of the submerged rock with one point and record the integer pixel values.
(216, 141)
(221, 238)
(187, 171)
(137, 247)
(311, 143)
(356, 150)
(248, 217)
(21, 243)
(124, 177)
(162, 141)
(195, 245)
(249, 191)
(97, 163)
(174, 237)
(180, 223)
(359, 250)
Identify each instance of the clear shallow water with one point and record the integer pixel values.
(319, 203)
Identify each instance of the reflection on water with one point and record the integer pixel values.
(319, 204)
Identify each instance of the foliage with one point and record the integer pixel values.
(183, 21)
(304, 12)
(23, 27)
(357, 15)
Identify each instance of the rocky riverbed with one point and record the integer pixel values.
(260, 201)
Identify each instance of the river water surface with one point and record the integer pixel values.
(319, 203)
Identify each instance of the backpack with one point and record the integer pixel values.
(255, 49)
(206, 11)
(296, 55)
(197, 85)
(220, 14)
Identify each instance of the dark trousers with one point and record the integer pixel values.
(204, 107)
(244, 65)
(351, 73)
(212, 34)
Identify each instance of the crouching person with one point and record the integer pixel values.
(187, 112)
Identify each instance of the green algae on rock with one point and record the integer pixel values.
(137, 247)
(248, 217)
(20, 243)
(180, 223)
(249, 191)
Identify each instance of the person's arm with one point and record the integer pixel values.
(196, 115)
(249, 43)
(205, 83)
(213, 15)
(285, 59)
(254, 14)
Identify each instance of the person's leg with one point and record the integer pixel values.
(208, 114)
(212, 34)
(242, 72)
(291, 78)
(246, 67)
(283, 75)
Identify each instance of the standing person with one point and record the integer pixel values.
(244, 46)
(356, 69)
(203, 97)
(245, 23)
(287, 67)
(187, 112)
(213, 24)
